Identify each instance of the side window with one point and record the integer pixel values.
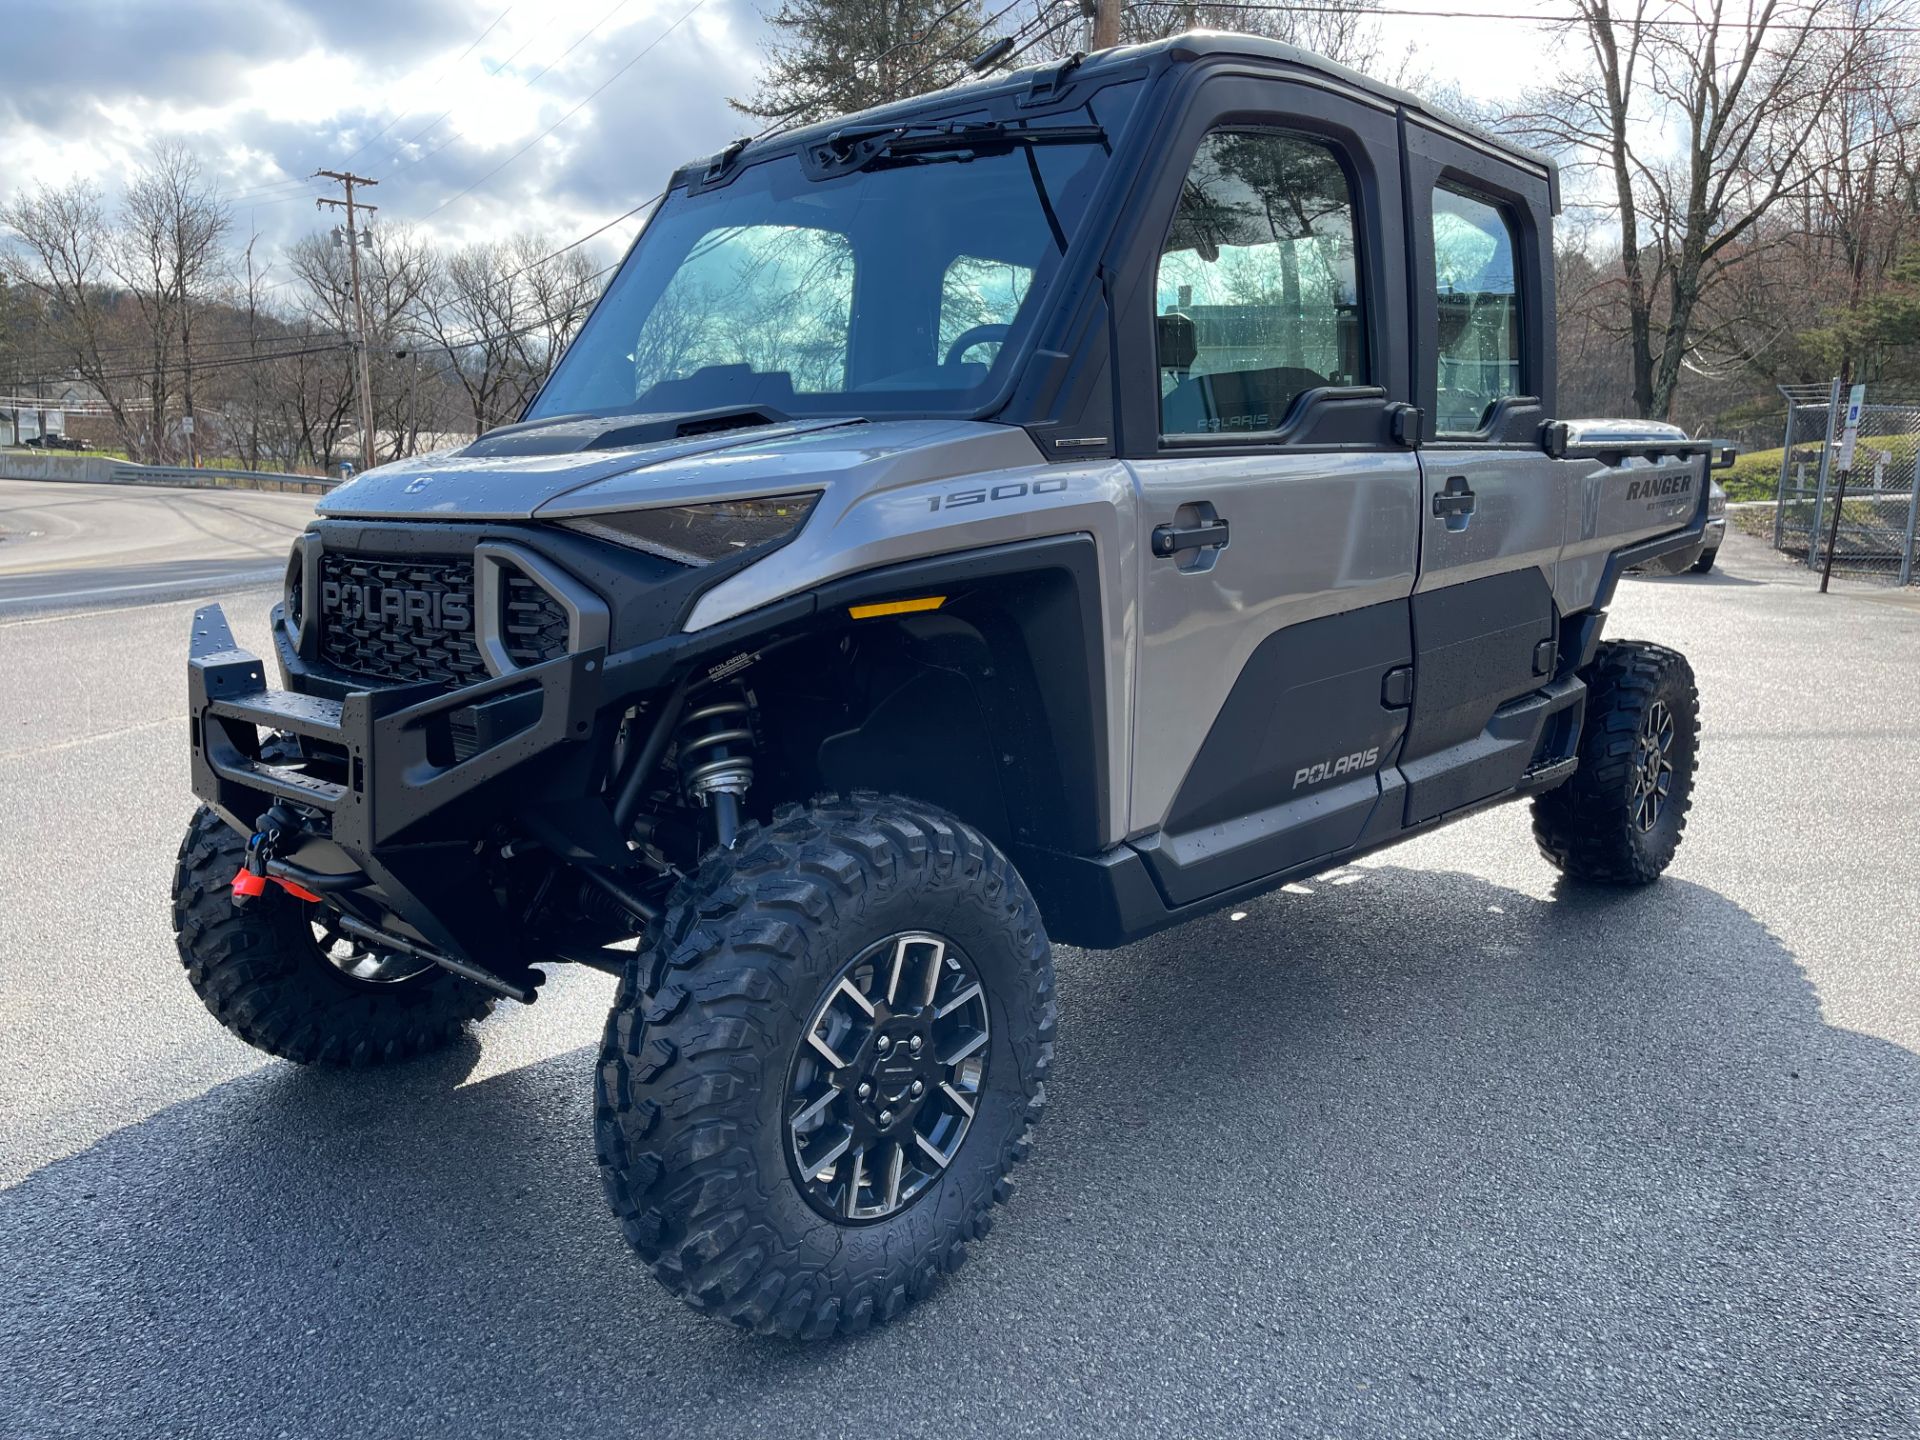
(978, 299)
(1478, 326)
(1258, 294)
(771, 297)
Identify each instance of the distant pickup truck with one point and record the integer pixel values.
(54, 442)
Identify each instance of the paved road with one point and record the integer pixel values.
(1433, 1146)
(64, 545)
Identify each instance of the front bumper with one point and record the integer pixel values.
(395, 783)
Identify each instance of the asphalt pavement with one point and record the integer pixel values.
(1429, 1145)
(66, 544)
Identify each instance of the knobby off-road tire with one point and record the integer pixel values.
(261, 972)
(1612, 823)
(693, 1110)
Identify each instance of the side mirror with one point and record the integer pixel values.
(1178, 341)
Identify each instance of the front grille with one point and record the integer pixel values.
(405, 620)
(533, 625)
(412, 619)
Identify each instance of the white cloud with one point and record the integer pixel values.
(269, 90)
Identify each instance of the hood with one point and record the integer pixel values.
(508, 475)
(843, 460)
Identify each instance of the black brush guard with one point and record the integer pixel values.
(404, 775)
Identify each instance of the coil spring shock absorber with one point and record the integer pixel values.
(716, 759)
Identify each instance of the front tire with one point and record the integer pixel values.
(264, 971)
(1619, 819)
(787, 1033)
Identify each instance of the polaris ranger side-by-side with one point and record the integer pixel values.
(1042, 511)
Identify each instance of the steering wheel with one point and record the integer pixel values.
(972, 336)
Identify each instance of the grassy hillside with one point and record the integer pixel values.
(1756, 475)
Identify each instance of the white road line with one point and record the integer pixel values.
(245, 577)
(58, 745)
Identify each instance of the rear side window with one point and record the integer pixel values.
(1258, 298)
(1475, 281)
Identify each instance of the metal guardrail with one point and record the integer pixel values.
(20, 464)
(124, 473)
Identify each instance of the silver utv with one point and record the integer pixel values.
(1045, 510)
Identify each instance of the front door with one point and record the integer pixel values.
(1279, 515)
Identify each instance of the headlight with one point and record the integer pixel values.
(701, 534)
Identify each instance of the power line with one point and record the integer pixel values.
(403, 164)
(180, 367)
(399, 162)
(519, 332)
(127, 353)
(347, 180)
(433, 88)
(685, 15)
(776, 124)
(1537, 17)
(584, 35)
(1047, 34)
(268, 188)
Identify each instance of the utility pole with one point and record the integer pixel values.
(1106, 24)
(363, 371)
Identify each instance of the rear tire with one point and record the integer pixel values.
(261, 972)
(1705, 562)
(1619, 819)
(720, 1129)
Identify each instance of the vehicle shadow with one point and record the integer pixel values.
(1410, 1153)
(1716, 578)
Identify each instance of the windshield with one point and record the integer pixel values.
(904, 286)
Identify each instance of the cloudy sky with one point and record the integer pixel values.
(469, 112)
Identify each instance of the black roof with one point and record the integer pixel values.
(1189, 48)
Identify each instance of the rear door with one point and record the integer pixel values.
(1280, 515)
(1492, 502)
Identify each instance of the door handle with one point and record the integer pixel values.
(1170, 540)
(1454, 503)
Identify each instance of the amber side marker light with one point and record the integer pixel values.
(896, 607)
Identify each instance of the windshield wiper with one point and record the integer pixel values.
(858, 147)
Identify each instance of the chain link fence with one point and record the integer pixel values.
(1875, 533)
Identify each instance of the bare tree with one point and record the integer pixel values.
(1858, 215)
(397, 267)
(60, 255)
(1346, 31)
(470, 314)
(119, 298)
(1700, 116)
(168, 254)
(499, 315)
(560, 290)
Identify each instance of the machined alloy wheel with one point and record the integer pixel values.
(356, 960)
(280, 976)
(887, 1078)
(1653, 766)
(820, 1070)
(1617, 820)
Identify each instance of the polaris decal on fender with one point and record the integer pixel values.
(1329, 769)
